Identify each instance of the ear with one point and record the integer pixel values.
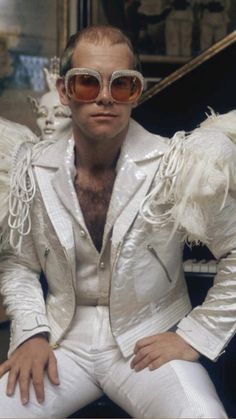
(134, 105)
(60, 85)
(33, 103)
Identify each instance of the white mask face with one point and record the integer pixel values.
(53, 118)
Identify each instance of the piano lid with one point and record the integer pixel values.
(180, 100)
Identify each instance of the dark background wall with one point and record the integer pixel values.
(183, 104)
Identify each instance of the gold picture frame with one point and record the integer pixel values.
(30, 34)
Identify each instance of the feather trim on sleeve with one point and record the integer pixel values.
(205, 172)
(225, 123)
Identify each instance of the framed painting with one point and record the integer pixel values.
(31, 32)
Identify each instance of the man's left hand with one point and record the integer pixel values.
(153, 351)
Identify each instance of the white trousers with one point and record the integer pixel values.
(90, 364)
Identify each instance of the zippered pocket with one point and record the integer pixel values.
(153, 251)
(45, 255)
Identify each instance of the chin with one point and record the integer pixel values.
(106, 133)
(49, 137)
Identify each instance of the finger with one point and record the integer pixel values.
(4, 367)
(141, 354)
(52, 369)
(24, 382)
(145, 342)
(11, 382)
(38, 383)
(146, 361)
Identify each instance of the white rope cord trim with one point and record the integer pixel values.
(163, 193)
(22, 192)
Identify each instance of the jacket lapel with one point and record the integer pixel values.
(132, 192)
(55, 209)
(49, 177)
(137, 167)
(128, 181)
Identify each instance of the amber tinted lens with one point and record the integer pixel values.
(83, 87)
(126, 88)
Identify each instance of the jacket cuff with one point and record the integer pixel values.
(23, 329)
(200, 339)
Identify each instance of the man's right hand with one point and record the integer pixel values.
(29, 362)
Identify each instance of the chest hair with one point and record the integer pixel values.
(94, 193)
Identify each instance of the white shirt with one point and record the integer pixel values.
(92, 268)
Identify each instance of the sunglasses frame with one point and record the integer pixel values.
(91, 72)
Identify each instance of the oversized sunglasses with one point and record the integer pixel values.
(85, 84)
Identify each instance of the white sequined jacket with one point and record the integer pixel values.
(148, 293)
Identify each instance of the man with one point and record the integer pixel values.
(116, 287)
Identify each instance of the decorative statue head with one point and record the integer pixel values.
(52, 118)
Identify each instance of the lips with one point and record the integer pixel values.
(104, 115)
(48, 131)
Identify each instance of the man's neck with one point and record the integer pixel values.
(93, 156)
(95, 160)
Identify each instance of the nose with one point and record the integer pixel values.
(104, 96)
(50, 118)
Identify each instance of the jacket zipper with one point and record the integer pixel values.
(154, 253)
(112, 270)
(46, 253)
(116, 257)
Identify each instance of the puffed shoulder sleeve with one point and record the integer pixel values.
(195, 191)
(204, 175)
(19, 265)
